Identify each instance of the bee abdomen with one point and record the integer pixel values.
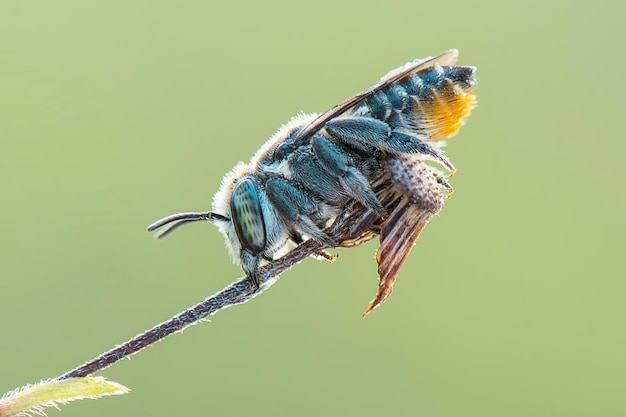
(433, 102)
(441, 99)
(381, 106)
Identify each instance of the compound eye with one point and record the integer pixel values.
(247, 216)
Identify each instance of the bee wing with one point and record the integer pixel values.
(447, 58)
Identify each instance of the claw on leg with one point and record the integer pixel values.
(330, 257)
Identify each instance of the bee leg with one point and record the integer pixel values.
(406, 143)
(330, 257)
(444, 183)
(338, 164)
(322, 254)
(364, 131)
(375, 229)
(250, 265)
(367, 131)
(296, 208)
(377, 134)
(254, 280)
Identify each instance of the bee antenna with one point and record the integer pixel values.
(179, 219)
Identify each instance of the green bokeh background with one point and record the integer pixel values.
(116, 113)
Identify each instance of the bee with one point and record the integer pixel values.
(298, 182)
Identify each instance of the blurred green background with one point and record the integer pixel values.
(114, 114)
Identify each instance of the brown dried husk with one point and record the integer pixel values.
(411, 194)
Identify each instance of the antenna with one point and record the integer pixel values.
(183, 218)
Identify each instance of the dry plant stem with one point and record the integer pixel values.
(236, 293)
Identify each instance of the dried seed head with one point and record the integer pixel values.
(413, 196)
(416, 181)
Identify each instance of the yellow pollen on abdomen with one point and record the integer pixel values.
(442, 117)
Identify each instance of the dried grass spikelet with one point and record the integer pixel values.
(411, 192)
(416, 195)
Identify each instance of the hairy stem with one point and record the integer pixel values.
(236, 293)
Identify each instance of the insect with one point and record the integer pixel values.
(299, 180)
